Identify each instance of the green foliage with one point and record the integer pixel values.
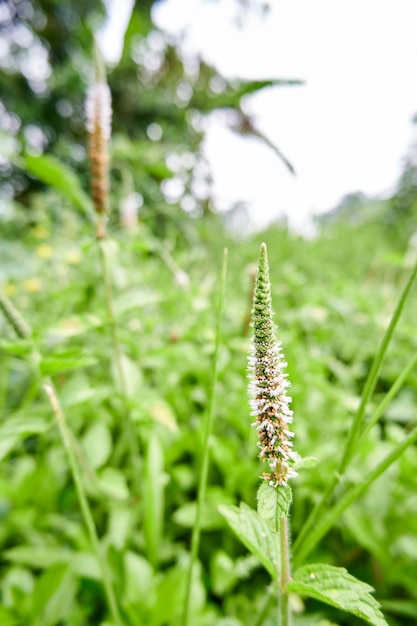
(55, 174)
(334, 586)
(273, 503)
(333, 295)
(254, 534)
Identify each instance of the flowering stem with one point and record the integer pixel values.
(270, 406)
(268, 385)
(208, 428)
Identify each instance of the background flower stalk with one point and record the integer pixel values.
(98, 114)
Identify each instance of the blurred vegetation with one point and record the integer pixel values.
(333, 296)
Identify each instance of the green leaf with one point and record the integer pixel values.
(273, 504)
(132, 376)
(97, 443)
(139, 580)
(86, 565)
(53, 596)
(51, 172)
(74, 326)
(306, 462)
(23, 347)
(186, 515)
(335, 586)
(7, 618)
(255, 534)
(113, 483)
(134, 299)
(65, 364)
(38, 556)
(17, 428)
(171, 587)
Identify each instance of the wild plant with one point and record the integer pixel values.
(265, 532)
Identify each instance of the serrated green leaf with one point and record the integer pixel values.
(54, 173)
(335, 586)
(273, 504)
(255, 534)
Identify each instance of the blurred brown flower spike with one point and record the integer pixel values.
(98, 113)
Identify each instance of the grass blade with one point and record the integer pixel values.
(208, 427)
(351, 495)
(357, 424)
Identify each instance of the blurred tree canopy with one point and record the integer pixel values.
(159, 103)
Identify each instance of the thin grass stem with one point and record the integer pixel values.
(373, 375)
(24, 332)
(350, 496)
(389, 396)
(208, 428)
(358, 420)
(82, 498)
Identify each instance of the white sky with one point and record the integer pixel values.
(346, 130)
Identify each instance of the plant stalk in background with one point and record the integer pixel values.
(98, 124)
(208, 428)
(98, 113)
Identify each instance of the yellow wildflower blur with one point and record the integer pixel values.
(44, 251)
(32, 285)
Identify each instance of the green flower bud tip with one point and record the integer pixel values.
(268, 385)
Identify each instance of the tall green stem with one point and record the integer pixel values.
(82, 498)
(129, 434)
(208, 428)
(24, 332)
(285, 574)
